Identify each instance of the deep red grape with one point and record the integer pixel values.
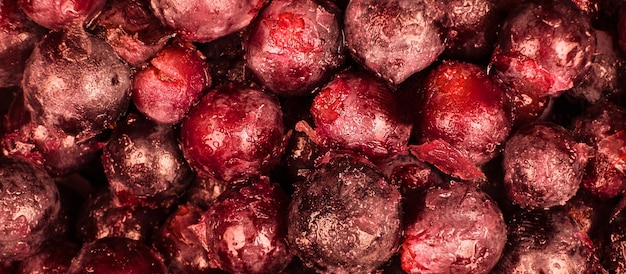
(294, 45)
(205, 21)
(234, 133)
(457, 229)
(54, 258)
(54, 14)
(246, 228)
(173, 82)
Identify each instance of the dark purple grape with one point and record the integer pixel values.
(544, 48)
(466, 109)
(131, 29)
(457, 229)
(294, 45)
(234, 133)
(74, 82)
(117, 255)
(246, 228)
(603, 128)
(543, 165)
(541, 241)
(19, 36)
(30, 206)
(144, 164)
(54, 14)
(171, 84)
(394, 39)
(205, 21)
(101, 217)
(54, 258)
(345, 218)
(180, 245)
(357, 111)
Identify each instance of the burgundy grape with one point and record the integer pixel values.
(394, 39)
(131, 29)
(117, 255)
(294, 45)
(19, 36)
(543, 165)
(408, 173)
(457, 229)
(144, 164)
(61, 14)
(345, 217)
(246, 228)
(234, 133)
(205, 21)
(204, 190)
(173, 82)
(466, 109)
(30, 206)
(544, 48)
(357, 111)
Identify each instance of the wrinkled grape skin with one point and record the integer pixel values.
(101, 217)
(246, 228)
(18, 36)
(458, 229)
(74, 81)
(117, 255)
(165, 90)
(234, 133)
(394, 39)
(294, 45)
(602, 127)
(345, 218)
(55, 14)
(144, 164)
(30, 205)
(357, 111)
(544, 48)
(54, 258)
(205, 21)
(132, 30)
(543, 165)
(466, 109)
(180, 246)
(545, 241)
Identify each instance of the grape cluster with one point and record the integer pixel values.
(312, 136)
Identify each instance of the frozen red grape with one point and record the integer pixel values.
(205, 21)
(165, 90)
(545, 48)
(294, 45)
(234, 133)
(457, 229)
(357, 111)
(30, 206)
(144, 164)
(394, 39)
(345, 217)
(466, 109)
(543, 165)
(54, 258)
(246, 228)
(19, 36)
(61, 14)
(131, 29)
(117, 255)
